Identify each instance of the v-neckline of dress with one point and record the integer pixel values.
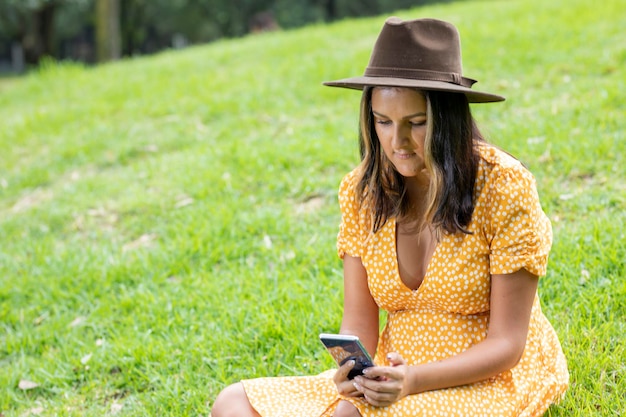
(394, 232)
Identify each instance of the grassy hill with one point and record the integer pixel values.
(167, 223)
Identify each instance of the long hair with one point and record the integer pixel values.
(451, 160)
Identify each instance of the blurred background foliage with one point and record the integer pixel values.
(100, 30)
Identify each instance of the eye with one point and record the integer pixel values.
(382, 122)
(418, 123)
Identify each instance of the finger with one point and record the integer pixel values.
(382, 374)
(343, 371)
(377, 403)
(348, 389)
(395, 359)
(379, 399)
(368, 386)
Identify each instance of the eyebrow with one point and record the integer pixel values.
(410, 116)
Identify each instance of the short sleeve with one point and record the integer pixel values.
(519, 232)
(350, 237)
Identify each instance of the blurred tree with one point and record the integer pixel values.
(230, 17)
(30, 22)
(347, 8)
(108, 36)
(75, 29)
(294, 13)
(151, 25)
(330, 7)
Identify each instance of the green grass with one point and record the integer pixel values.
(168, 223)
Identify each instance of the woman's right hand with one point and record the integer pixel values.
(345, 386)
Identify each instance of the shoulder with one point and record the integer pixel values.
(504, 187)
(350, 179)
(497, 158)
(498, 170)
(348, 185)
(352, 207)
(510, 215)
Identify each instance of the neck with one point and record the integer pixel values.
(417, 188)
(417, 192)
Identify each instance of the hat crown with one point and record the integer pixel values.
(420, 53)
(422, 44)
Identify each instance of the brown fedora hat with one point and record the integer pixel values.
(421, 53)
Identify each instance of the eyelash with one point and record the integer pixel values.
(387, 122)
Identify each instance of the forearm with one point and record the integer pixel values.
(480, 362)
(366, 330)
(512, 298)
(360, 312)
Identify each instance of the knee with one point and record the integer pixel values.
(346, 409)
(232, 401)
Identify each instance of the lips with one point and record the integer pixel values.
(404, 155)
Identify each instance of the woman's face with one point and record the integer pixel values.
(400, 123)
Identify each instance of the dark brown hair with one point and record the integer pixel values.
(451, 160)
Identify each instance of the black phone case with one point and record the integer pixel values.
(345, 350)
(360, 364)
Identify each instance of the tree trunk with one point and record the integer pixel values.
(17, 57)
(37, 39)
(108, 38)
(44, 21)
(331, 10)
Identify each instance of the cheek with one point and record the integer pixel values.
(420, 139)
(385, 145)
(383, 136)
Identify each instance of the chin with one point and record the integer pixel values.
(422, 174)
(408, 172)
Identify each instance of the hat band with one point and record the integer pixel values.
(414, 74)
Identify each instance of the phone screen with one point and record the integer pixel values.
(344, 348)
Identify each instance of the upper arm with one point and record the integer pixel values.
(512, 297)
(360, 312)
(518, 231)
(520, 237)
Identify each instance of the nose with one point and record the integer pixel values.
(400, 135)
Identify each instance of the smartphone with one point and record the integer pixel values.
(346, 347)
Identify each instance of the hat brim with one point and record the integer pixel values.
(358, 83)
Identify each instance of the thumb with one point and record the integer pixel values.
(344, 370)
(395, 359)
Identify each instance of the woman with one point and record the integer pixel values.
(446, 234)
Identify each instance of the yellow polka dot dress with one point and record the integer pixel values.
(449, 312)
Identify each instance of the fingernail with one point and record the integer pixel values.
(356, 386)
(351, 362)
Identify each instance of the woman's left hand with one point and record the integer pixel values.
(384, 385)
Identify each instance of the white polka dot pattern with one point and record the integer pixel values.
(449, 312)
